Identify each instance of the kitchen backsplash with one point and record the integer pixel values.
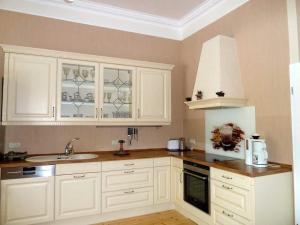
(52, 139)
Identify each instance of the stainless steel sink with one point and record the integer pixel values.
(46, 158)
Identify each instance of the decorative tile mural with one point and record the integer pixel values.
(227, 129)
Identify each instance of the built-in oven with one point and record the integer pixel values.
(196, 185)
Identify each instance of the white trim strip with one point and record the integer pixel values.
(86, 12)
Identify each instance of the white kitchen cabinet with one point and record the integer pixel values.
(243, 200)
(162, 184)
(177, 185)
(232, 198)
(222, 216)
(127, 199)
(77, 90)
(30, 84)
(117, 92)
(177, 181)
(154, 95)
(77, 195)
(27, 201)
(124, 179)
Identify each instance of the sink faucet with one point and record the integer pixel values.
(69, 149)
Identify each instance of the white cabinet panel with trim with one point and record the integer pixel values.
(30, 83)
(177, 180)
(77, 195)
(222, 216)
(77, 90)
(232, 198)
(154, 95)
(127, 199)
(162, 184)
(124, 179)
(27, 201)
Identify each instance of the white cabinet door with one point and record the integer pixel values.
(124, 179)
(162, 184)
(77, 195)
(127, 199)
(154, 95)
(77, 90)
(31, 86)
(27, 201)
(118, 93)
(177, 185)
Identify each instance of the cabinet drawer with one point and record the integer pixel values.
(163, 161)
(127, 164)
(231, 178)
(73, 168)
(221, 216)
(124, 179)
(177, 162)
(131, 198)
(237, 200)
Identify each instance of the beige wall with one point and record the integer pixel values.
(32, 31)
(260, 28)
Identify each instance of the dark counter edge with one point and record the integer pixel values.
(236, 166)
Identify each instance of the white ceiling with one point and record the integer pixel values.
(173, 9)
(172, 19)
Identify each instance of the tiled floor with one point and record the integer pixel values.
(163, 218)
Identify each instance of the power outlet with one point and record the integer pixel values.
(13, 145)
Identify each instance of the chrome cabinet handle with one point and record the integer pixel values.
(101, 112)
(53, 111)
(79, 176)
(226, 187)
(129, 164)
(129, 171)
(227, 214)
(139, 113)
(226, 177)
(96, 112)
(129, 192)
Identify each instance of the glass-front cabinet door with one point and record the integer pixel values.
(117, 85)
(77, 90)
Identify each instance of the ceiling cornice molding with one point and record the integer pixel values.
(101, 15)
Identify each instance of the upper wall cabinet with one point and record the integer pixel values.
(154, 95)
(45, 87)
(118, 88)
(30, 82)
(77, 90)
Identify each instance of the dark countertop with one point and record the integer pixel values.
(236, 166)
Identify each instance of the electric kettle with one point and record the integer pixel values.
(256, 153)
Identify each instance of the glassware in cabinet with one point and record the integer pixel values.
(117, 92)
(78, 91)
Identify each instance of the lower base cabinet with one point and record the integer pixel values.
(221, 216)
(126, 199)
(27, 201)
(177, 185)
(162, 184)
(77, 195)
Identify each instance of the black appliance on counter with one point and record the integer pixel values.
(196, 185)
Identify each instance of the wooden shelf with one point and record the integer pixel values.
(215, 103)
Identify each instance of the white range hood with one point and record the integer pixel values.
(218, 70)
